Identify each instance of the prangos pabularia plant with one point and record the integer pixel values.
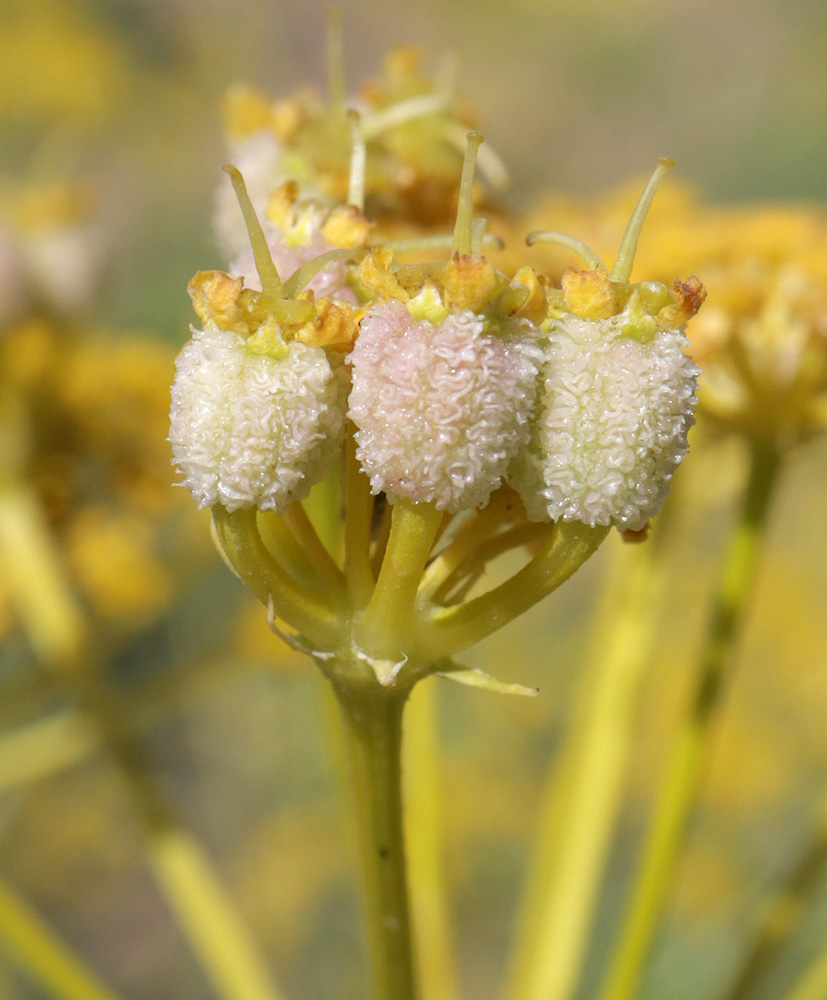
(438, 387)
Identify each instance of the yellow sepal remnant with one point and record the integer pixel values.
(644, 307)
(528, 293)
(343, 226)
(217, 299)
(223, 302)
(690, 296)
(591, 294)
(470, 282)
(335, 325)
(376, 276)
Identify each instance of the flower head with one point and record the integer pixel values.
(618, 393)
(444, 372)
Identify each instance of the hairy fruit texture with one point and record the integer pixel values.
(611, 427)
(440, 410)
(253, 429)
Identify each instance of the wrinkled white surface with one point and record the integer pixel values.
(611, 428)
(440, 410)
(248, 430)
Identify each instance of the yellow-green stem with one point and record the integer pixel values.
(453, 629)
(358, 511)
(478, 526)
(812, 985)
(460, 583)
(311, 614)
(308, 539)
(782, 914)
(386, 625)
(49, 962)
(584, 789)
(372, 725)
(686, 763)
(429, 904)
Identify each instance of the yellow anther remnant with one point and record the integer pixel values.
(336, 325)
(690, 295)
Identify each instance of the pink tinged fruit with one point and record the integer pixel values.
(440, 411)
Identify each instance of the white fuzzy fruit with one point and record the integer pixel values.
(249, 429)
(440, 410)
(611, 428)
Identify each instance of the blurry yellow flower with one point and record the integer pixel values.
(112, 556)
(56, 63)
(115, 393)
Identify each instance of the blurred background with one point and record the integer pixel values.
(110, 154)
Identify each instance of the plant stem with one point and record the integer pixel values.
(309, 613)
(47, 959)
(429, 906)
(450, 630)
(43, 747)
(386, 624)
(221, 941)
(685, 767)
(585, 788)
(813, 984)
(358, 507)
(372, 724)
(783, 913)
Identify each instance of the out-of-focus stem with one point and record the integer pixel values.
(785, 910)
(47, 610)
(812, 985)
(211, 924)
(429, 904)
(686, 763)
(43, 747)
(585, 788)
(220, 943)
(43, 956)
